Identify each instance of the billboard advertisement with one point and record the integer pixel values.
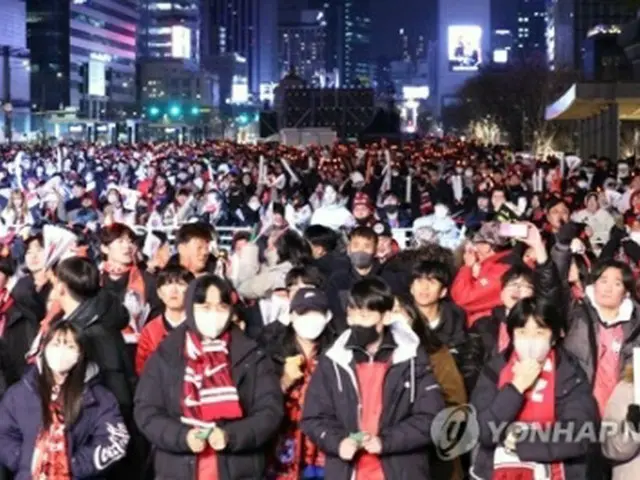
(97, 78)
(411, 92)
(180, 42)
(464, 47)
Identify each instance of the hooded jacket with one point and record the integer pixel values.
(158, 406)
(411, 398)
(101, 320)
(97, 440)
(574, 405)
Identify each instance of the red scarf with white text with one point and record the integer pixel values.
(209, 393)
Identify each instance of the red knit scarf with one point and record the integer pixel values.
(50, 456)
(539, 407)
(209, 393)
(131, 332)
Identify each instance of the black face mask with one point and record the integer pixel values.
(363, 336)
(391, 209)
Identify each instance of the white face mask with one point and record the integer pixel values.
(635, 236)
(398, 317)
(532, 348)
(211, 324)
(60, 359)
(309, 325)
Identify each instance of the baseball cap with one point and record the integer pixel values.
(309, 300)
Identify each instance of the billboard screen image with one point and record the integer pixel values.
(464, 47)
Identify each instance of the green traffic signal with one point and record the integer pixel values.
(175, 111)
(154, 111)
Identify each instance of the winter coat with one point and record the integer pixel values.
(600, 222)
(573, 403)
(446, 230)
(8, 372)
(97, 440)
(253, 281)
(332, 262)
(158, 408)
(23, 320)
(478, 295)
(454, 393)
(621, 446)
(101, 320)
(582, 337)
(338, 287)
(411, 398)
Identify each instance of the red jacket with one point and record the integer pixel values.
(478, 296)
(152, 334)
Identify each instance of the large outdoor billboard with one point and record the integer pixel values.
(464, 47)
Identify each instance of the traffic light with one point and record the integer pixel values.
(195, 111)
(175, 111)
(243, 119)
(154, 111)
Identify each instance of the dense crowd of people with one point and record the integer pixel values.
(316, 346)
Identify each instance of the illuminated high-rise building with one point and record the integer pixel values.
(83, 55)
(570, 21)
(169, 29)
(248, 28)
(530, 37)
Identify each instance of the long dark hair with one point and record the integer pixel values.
(420, 326)
(73, 387)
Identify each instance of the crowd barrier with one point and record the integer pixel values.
(225, 234)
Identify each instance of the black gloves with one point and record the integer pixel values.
(631, 250)
(633, 417)
(568, 232)
(617, 234)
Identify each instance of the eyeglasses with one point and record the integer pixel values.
(519, 286)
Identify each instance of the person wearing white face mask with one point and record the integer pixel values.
(295, 348)
(59, 422)
(520, 388)
(205, 390)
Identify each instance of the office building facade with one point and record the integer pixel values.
(248, 28)
(14, 69)
(302, 46)
(570, 22)
(170, 29)
(83, 57)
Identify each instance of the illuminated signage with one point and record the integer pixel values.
(180, 41)
(464, 47)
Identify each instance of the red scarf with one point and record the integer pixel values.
(5, 304)
(209, 393)
(131, 332)
(50, 456)
(539, 407)
(294, 449)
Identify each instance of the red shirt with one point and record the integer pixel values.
(371, 383)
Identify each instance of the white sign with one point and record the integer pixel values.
(97, 78)
(180, 41)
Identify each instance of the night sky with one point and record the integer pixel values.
(417, 16)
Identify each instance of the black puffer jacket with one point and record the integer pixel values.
(101, 320)
(158, 407)
(574, 406)
(23, 320)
